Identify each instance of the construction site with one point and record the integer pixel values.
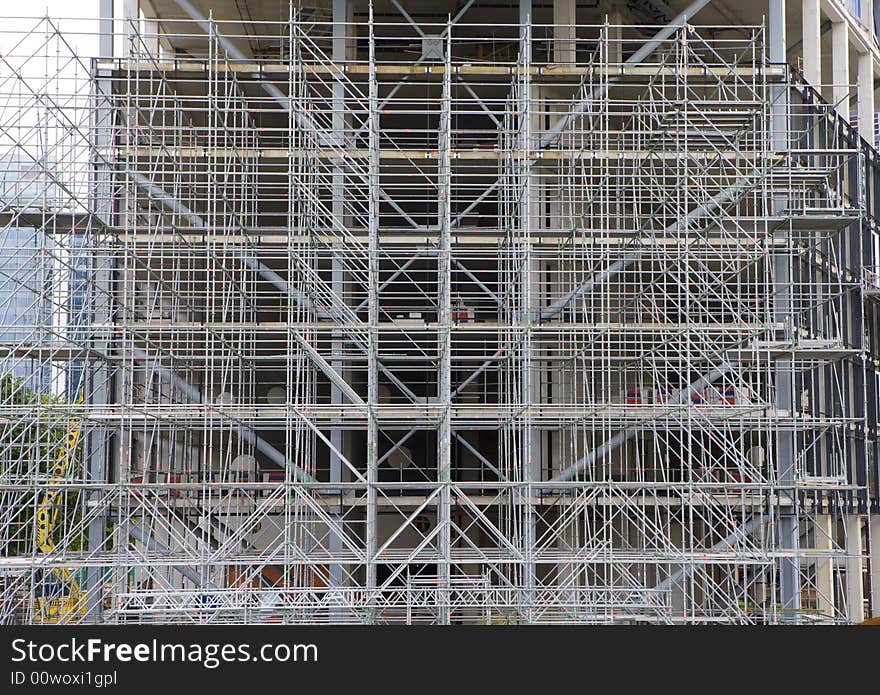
(440, 312)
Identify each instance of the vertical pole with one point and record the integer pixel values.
(444, 300)
(787, 529)
(340, 42)
(373, 321)
(96, 382)
(531, 444)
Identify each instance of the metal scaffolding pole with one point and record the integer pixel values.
(339, 55)
(373, 125)
(789, 532)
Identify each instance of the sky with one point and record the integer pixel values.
(32, 60)
(78, 19)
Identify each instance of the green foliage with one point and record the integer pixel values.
(31, 446)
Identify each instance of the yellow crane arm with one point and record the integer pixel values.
(47, 509)
(55, 609)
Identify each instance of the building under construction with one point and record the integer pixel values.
(456, 311)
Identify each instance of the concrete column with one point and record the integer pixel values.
(615, 48)
(812, 48)
(130, 25)
(854, 588)
(875, 565)
(157, 44)
(776, 42)
(840, 67)
(824, 530)
(564, 19)
(105, 28)
(866, 97)
(866, 15)
(150, 36)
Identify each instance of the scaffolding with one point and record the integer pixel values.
(508, 324)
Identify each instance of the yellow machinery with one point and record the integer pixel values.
(59, 599)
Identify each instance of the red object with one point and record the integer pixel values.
(634, 397)
(172, 478)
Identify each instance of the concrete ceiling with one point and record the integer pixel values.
(483, 12)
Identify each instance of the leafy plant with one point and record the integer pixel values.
(30, 447)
